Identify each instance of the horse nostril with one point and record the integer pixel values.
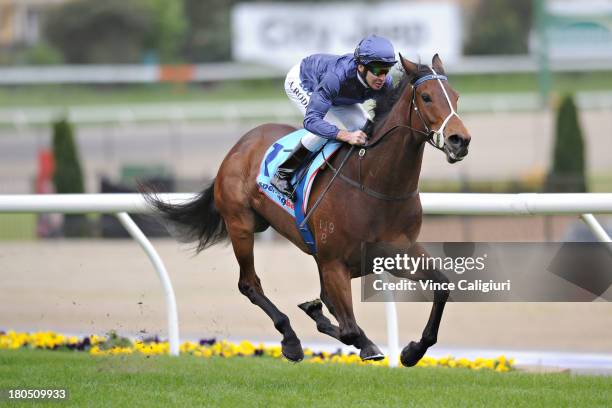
(456, 141)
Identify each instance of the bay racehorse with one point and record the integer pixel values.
(374, 199)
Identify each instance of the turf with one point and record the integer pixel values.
(190, 381)
(17, 226)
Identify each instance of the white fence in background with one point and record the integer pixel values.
(230, 71)
(134, 73)
(584, 205)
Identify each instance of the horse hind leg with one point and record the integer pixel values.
(241, 231)
(314, 309)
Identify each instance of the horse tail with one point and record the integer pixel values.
(197, 220)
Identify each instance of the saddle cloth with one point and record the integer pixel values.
(275, 155)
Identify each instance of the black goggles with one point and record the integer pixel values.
(378, 70)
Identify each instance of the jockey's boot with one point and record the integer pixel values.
(282, 178)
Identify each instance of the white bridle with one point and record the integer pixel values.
(438, 135)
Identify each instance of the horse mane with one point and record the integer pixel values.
(389, 97)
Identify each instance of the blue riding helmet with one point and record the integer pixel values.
(375, 50)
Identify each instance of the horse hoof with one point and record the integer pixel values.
(371, 352)
(292, 351)
(412, 353)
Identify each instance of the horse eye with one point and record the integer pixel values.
(426, 98)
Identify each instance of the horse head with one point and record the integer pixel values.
(435, 103)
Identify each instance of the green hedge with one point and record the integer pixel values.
(568, 165)
(68, 175)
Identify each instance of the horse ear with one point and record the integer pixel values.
(436, 64)
(409, 66)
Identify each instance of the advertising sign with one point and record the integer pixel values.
(281, 34)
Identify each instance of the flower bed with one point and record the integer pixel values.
(114, 345)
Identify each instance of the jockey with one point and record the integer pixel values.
(328, 90)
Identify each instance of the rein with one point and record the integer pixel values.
(359, 184)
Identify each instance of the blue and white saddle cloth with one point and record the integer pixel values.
(275, 155)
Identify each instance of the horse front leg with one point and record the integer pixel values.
(413, 352)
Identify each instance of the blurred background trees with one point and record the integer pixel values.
(166, 36)
(90, 31)
(500, 27)
(208, 34)
(117, 31)
(132, 31)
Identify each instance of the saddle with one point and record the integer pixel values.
(302, 180)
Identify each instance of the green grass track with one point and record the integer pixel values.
(189, 381)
